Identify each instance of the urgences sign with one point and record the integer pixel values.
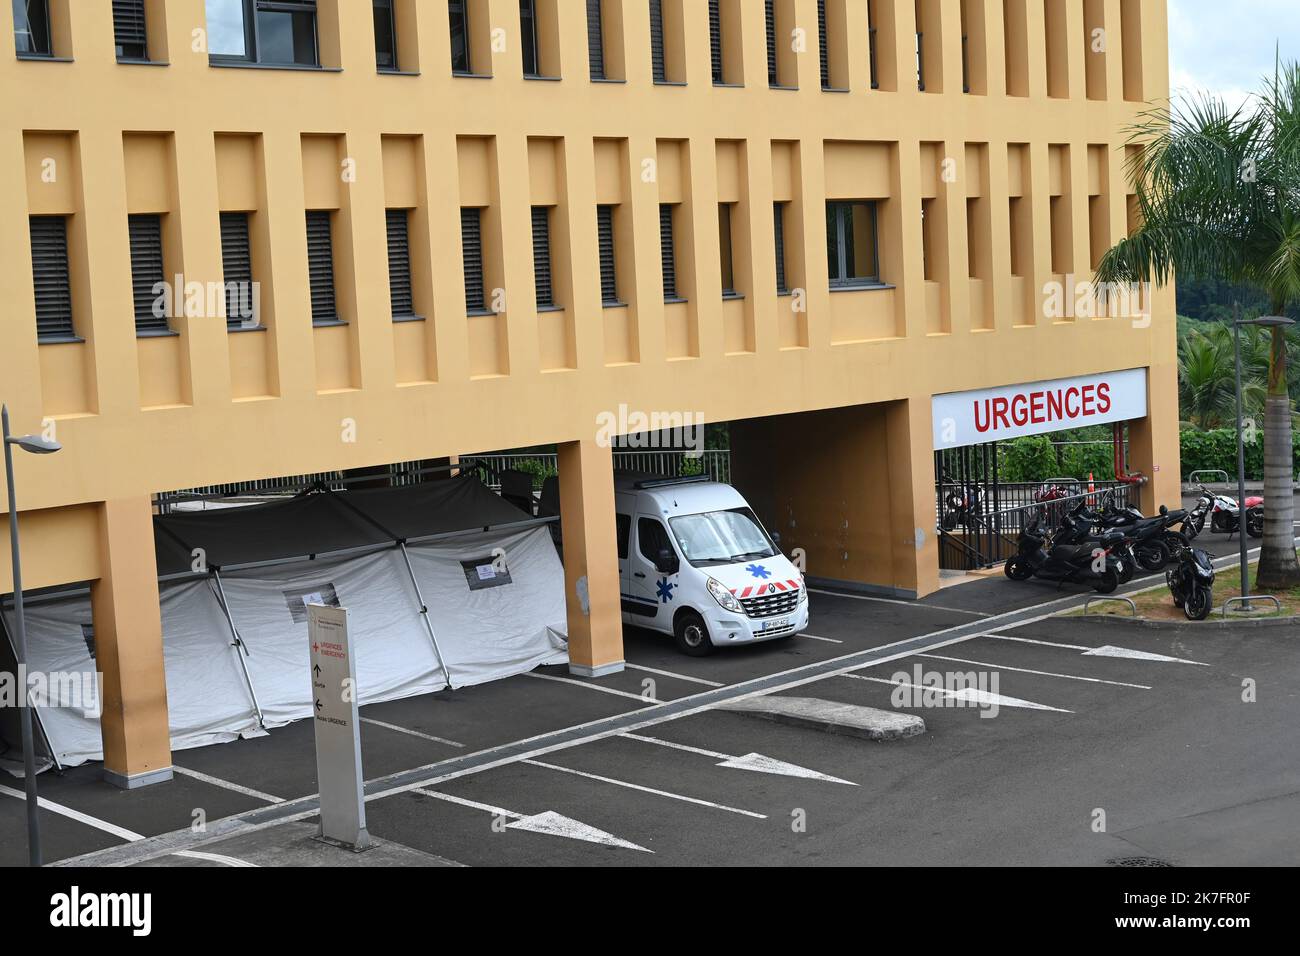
(1009, 411)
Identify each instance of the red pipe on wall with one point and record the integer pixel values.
(1137, 478)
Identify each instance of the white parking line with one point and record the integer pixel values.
(814, 637)
(1025, 670)
(413, 733)
(637, 786)
(751, 761)
(227, 785)
(1108, 650)
(214, 858)
(971, 694)
(590, 686)
(916, 605)
(122, 833)
(693, 680)
(1030, 640)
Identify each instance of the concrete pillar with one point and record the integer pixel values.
(1153, 448)
(591, 585)
(850, 491)
(128, 647)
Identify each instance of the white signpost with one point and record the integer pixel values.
(338, 729)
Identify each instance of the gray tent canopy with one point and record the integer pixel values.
(320, 521)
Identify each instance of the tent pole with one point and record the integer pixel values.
(36, 711)
(240, 649)
(424, 613)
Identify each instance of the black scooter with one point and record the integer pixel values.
(1151, 541)
(1191, 582)
(1093, 562)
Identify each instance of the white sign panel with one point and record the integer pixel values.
(994, 414)
(338, 728)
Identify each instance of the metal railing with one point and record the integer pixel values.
(715, 462)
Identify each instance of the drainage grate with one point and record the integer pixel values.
(1138, 861)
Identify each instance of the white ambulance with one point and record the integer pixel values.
(694, 562)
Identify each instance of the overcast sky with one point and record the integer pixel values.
(1225, 46)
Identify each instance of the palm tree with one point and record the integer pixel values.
(1207, 388)
(1218, 190)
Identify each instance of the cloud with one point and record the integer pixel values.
(1227, 47)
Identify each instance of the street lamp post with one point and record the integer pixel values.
(38, 446)
(1265, 321)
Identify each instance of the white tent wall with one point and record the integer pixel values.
(494, 632)
(207, 696)
(394, 655)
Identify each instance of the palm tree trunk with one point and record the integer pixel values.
(1278, 568)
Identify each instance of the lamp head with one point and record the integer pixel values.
(1268, 321)
(35, 444)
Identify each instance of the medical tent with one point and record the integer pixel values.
(445, 584)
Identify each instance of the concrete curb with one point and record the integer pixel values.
(851, 720)
(1210, 624)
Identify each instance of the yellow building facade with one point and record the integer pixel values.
(990, 164)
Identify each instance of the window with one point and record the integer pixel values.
(769, 14)
(851, 244)
(721, 537)
(399, 262)
(623, 523)
(605, 241)
(50, 278)
(595, 40)
(147, 282)
(651, 538)
(237, 271)
(528, 37)
(871, 44)
(458, 10)
(542, 256)
(276, 32)
(129, 32)
(385, 37)
(320, 266)
(657, 65)
(724, 249)
(715, 39)
(668, 251)
(32, 28)
(823, 45)
(778, 223)
(471, 240)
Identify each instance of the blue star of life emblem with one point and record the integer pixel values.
(758, 571)
(665, 590)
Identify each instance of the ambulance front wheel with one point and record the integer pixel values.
(692, 634)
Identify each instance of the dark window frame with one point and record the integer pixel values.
(660, 532)
(48, 39)
(605, 238)
(253, 53)
(727, 250)
(51, 279)
(458, 15)
(668, 250)
(778, 232)
(769, 26)
(717, 62)
(839, 268)
(324, 295)
(823, 46)
(528, 40)
(596, 65)
(237, 267)
(658, 51)
(543, 272)
(131, 31)
(148, 271)
(401, 291)
(471, 226)
(385, 17)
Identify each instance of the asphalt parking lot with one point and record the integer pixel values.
(1151, 733)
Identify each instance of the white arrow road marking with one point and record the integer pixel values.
(636, 786)
(590, 686)
(1108, 651)
(547, 822)
(750, 761)
(1025, 670)
(971, 694)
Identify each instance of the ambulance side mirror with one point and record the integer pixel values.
(666, 562)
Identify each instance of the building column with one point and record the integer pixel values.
(850, 491)
(1153, 448)
(128, 647)
(591, 588)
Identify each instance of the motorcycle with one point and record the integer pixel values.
(1093, 562)
(1191, 582)
(1151, 541)
(962, 506)
(1224, 515)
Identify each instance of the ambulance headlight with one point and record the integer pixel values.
(803, 589)
(724, 597)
